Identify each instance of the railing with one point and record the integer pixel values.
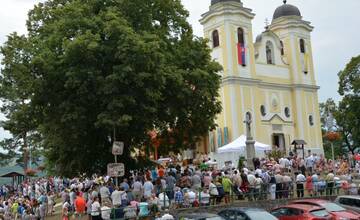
(255, 197)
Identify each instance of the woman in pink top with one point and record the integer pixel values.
(309, 185)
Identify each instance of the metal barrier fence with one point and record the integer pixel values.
(167, 202)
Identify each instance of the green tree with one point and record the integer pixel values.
(129, 66)
(16, 91)
(328, 124)
(347, 116)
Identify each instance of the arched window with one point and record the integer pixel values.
(302, 46)
(263, 110)
(215, 38)
(240, 35)
(282, 48)
(287, 112)
(311, 120)
(270, 53)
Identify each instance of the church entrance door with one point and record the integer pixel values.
(279, 142)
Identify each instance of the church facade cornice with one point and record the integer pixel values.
(289, 23)
(273, 116)
(229, 80)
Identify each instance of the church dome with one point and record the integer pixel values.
(213, 2)
(286, 10)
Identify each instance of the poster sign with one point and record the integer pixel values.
(118, 148)
(115, 169)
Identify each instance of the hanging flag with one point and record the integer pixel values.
(219, 138)
(226, 135)
(241, 54)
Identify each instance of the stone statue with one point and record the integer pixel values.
(250, 143)
(248, 122)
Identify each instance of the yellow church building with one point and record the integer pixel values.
(272, 79)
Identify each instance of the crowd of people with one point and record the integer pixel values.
(148, 191)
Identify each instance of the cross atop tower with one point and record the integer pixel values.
(284, 1)
(266, 23)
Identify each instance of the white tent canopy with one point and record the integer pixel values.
(239, 146)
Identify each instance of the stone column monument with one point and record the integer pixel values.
(250, 143)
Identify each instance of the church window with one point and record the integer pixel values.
(215, 38)
(282, 48)
(287, 112)
(302, 46)
(262, 110)
(240, 35)
(270, 53)
(311, 120)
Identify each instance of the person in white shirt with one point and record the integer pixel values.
(116, 197)
(164, 201)
(137, 189)
(353, 189)
(315, 181)
(104, 194)
(309, 163)
(148, 189)
(258, 183)
(214, 193)
(95, 209)
(252, 182)
(192, 196)
(106, 211)
(357, 167)
(300, 180)
(205, 198)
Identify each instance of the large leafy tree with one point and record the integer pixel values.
(102, 70)
(347, 116)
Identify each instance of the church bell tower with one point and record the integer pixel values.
(228, 27)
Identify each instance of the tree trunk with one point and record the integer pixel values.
(25, 154)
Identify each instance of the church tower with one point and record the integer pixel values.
(228, 27)
(295, 39)
(228, 24)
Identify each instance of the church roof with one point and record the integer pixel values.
(213, 2)
(298, 142)
(286, 10)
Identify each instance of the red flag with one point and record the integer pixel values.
(241, 54)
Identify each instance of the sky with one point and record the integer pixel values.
(335, 39)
